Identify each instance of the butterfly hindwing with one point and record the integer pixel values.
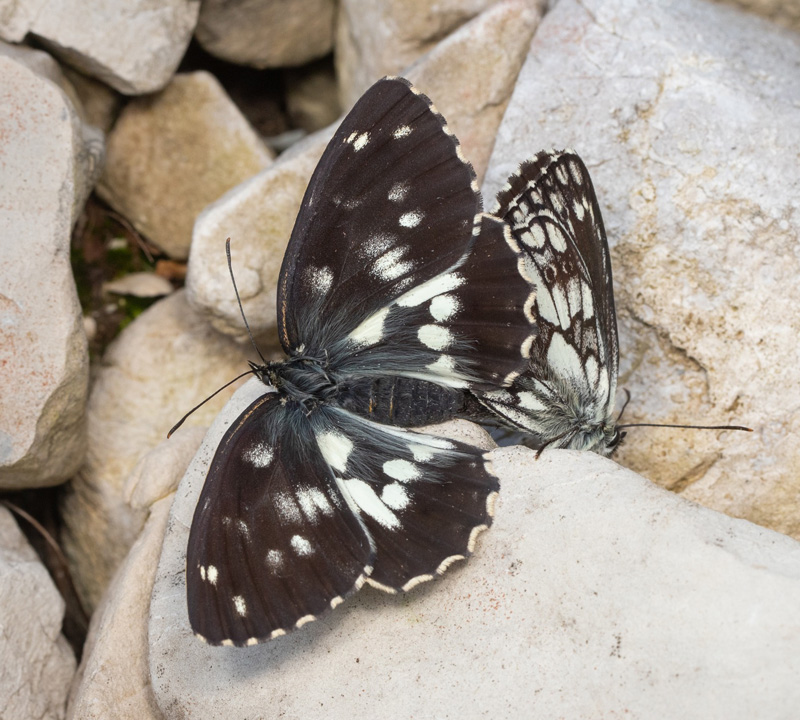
(567, 393)
(273, 543)
(423, 499)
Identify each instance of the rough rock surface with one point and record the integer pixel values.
(470, 74)
(659, 606)
(163, 364)
(258, 216)
(784, 12)
(172, 154)
(135, 51)
(49, 163)
(36, 662)
(113, 679)
(691, 139)
(377, 39)
(267, 33)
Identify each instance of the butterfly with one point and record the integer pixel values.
(566, 396)
(397, 297)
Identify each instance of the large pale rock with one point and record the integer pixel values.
(171, 155)
(588, 572)
(135, 51)
(113, 679)
(377, 39)
(691, 139)
(266, 33)
(36, 662)
(49, 163)
(164, 363)
(471, 74)
(258, 216)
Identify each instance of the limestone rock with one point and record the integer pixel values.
(258, 216)
(37, 663)
(470, 74)
(140, 284)
(171, 155)
(163, 364)
(589, 571)
(50, 162)
(266, 33)
(691, 140)
(377, 39)
(312, 96)
(113, 679)
(134, 52)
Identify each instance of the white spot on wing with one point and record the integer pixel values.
(320, 279)
(402, 470)
(563, 358)
(435, 337)
(370, 331)
(443, 307)
(399, 191)
(259, 456)
(240, 605)
(557, 238)
(301, 546)
(391, 265)
(395, 496)
(212, 574)
(368, 502)
(335, 448)
(588, 305)
(275, 560)
(421, 453)
(378, 244)
(401, 132)
(411, 219)
(574, 296)
(313, 502)
(361, 141)
(530, 401)
(435, 286)
(287, 509)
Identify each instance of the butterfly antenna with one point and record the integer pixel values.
(239, 300)
(689, 427)
(216, 392)
(625, 404)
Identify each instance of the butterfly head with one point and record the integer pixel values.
(301, 378)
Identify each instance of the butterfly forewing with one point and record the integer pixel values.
(390, 205)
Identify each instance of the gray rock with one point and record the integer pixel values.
(140, 284)
(134, 53)
(171, 155)
(471, 73)
(691, 139)
(37, 664)
(163, 364)
(49, 164)
(656, 604)
(113, 679)
(266, 33)
(377, 39)
(258, 215)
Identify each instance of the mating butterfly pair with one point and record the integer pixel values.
(400, 304)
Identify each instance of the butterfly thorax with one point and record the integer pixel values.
(570, 418)
(301, 378)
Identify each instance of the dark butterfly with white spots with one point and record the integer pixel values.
(566, 396)
(397, 296)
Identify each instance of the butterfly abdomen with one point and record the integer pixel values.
(400, 401)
